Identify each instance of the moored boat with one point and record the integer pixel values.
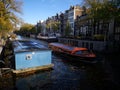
(78, 53)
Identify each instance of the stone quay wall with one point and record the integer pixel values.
(92, 45)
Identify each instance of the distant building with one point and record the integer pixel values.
(50, 24)
(43, 27)
(61, 19)
(65, 20)
(68, 16)
(73, 12)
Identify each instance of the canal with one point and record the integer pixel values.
(71, 75)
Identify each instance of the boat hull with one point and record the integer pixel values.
(73, 53)
(75, 58)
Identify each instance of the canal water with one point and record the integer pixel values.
(70, 75)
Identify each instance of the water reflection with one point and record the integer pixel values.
(67, 75)
(33, 82)
(63, 76)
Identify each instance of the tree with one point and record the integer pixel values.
(38, 28)
(55, 26)
(8, 15)
(68, 29)
(103, 12)
(48, 25)
(27, 29)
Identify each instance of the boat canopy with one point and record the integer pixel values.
(67, 47)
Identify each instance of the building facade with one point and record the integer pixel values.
(73, 12)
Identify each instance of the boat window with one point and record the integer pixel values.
(78, 52)
(81, 52)
(85, 52)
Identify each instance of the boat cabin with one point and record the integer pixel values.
(27, 54)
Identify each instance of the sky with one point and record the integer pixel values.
(36, 10)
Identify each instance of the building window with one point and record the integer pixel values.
(91, 46)
(83, 44)
(71, 14)
(87, 45)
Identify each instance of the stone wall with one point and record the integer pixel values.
(92, 45)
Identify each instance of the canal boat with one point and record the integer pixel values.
(78, 53)
(48, 39)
